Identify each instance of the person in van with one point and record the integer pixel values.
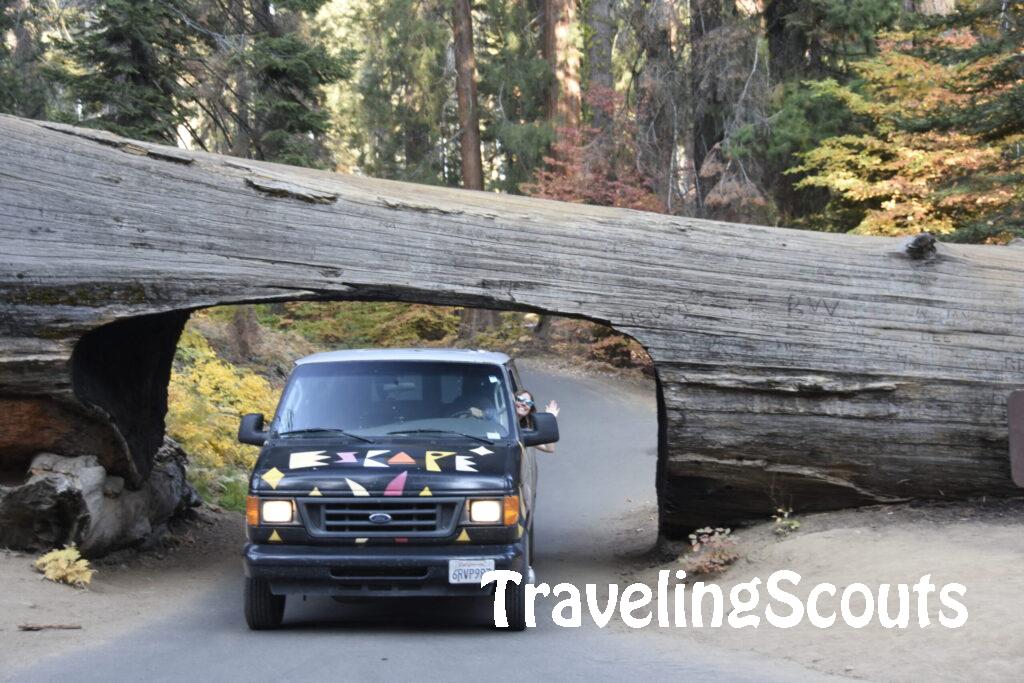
(526, 407)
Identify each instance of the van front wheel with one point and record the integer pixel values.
(263, 609)
(515, 596)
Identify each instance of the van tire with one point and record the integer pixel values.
(263, 609)
(515, 596)
(515, 606)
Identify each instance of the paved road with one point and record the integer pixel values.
(595, 497)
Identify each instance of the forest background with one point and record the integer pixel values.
(881, 117)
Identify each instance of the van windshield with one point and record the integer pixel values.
(377, 398)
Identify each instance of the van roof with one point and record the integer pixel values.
(436, 355)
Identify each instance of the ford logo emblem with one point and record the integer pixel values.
(380, 518)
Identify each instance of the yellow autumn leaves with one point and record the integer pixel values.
(66, 566)
(205, 399)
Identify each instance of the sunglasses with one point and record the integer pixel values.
(524, 401)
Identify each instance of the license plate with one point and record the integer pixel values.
(468, 571)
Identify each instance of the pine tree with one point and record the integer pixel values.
(807, 41)
(935, 142)
(514, 84)
(128, 59)
(402, 115)
(261, 81)
(289, 66)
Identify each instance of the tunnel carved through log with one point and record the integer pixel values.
(798, 369)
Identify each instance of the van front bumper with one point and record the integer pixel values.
(373, 571)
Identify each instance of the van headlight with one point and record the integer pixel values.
(493, 511)
(277, 511)
(485, 511)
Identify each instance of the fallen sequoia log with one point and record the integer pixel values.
(794, 368)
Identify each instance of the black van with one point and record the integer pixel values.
(391, 473)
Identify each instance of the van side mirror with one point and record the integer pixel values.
(250, 430)
(545, 430)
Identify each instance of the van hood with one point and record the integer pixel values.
(400, 468)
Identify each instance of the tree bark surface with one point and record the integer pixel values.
(465, 79)
(600, 45)
(565, 100)
(794, 368)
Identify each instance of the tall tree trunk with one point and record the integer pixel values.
(659, 96)
(708, 124)
(473, 321)
(245, 330)
(599, 55)
(559, 48)
(465, 86)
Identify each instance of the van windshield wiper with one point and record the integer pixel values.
(441, 431)
(331, 430)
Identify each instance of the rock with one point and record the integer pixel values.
(73, 500)
(113, 487)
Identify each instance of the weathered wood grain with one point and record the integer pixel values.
(796, 368)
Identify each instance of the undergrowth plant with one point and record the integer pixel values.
(66, 566)
(712, 551)
(783, 522)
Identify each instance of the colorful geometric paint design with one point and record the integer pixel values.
(274, 537)
(315, 492)
(401, 458)
(433, 457)
(298, 461)
(350, 456)
(361, 541)
(357, 489)
(463, 537)
(426, 491)
(369, 460)
(482, 450)
(464, 463)
(396, 486)
(273, 476)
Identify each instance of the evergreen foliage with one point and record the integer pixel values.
(403, 118)
(514, 80)
(837, 115)
(289, 69)
(127, 61)
(935, 143)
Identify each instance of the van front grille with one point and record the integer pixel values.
(382, 517)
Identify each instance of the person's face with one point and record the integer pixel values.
(524, 402)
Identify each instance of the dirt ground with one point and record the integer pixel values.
(129, 588)
(978, 545)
